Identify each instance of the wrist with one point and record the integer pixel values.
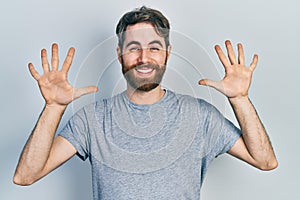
(239, 100)
(56, 107)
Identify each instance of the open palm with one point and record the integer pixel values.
(53, 84)
(237, 79)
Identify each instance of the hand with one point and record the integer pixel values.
(237, 79)
(53, 84)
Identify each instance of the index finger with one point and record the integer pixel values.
(68, 61)
(222, 56)
(254, 62)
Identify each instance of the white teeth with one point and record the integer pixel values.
(144, 70)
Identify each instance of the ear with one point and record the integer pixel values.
(119, 52)
(169, 51)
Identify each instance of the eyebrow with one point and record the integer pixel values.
(133, 42)
(156, 42)
(138, 43)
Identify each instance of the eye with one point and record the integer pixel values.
(154, 49)
(133, 49)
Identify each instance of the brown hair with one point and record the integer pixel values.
(144, 14)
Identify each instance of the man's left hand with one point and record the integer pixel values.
(237, 79)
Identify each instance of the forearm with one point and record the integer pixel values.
(253, 132)
(36, 151)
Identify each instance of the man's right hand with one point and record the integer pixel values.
(43, 152)
(54, 84)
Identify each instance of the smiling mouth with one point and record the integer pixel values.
(144, 70)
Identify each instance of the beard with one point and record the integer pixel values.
(143, 84)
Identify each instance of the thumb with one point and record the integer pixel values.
(214, 84)
(83, 91)
(208, 82)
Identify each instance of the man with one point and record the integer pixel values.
(147, 142)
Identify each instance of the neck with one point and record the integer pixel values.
(141, 97)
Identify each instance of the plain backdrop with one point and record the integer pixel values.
(269, 28)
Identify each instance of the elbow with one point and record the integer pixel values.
(268, 166)
(22, 181)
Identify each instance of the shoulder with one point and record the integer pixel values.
(98, 106)
(202, 104)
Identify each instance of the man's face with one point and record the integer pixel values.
(143, 57)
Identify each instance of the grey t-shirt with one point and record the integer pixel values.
(157, 151)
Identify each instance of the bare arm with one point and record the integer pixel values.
(254, 147)
(36, 161)
(43, 152)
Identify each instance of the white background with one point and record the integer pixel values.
(269, 28)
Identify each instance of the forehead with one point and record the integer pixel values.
(144, 33)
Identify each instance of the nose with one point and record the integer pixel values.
(144, 56)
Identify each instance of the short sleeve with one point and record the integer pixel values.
(221, 133)
(230, 134)
(76, 132)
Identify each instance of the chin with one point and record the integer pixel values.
(147, 87)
